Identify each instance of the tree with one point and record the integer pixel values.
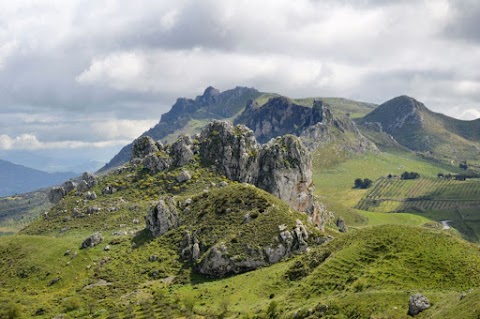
(367, 183)
(358, 183)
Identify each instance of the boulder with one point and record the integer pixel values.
(162, 217)
(183, 176)
(56, 194)
(89, 179)
(82, 186)
(92, 240)
(109, 189)
(69, 186)
(417, 303)
(90, 195)
(342, 227)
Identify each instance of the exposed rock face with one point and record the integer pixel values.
(218, 262)
(92, 240)
(279, 116)
(315, 125)
(144, 146)
(282, 167)
(82, 186)
(417, 304)
(163, 217)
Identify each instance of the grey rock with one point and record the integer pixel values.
(282, 167)
(82, 186)
(223, 184)
(143, 146)
(195, 252)
(107, 248)
(417, 303)
(182, 151)
(136, 221)
(183, 176)
(341, 225)
(66, 253)
(90, 195)
(153, 258)
(56, 194)
(93, 209)
(162, 217)
(69, 186)
(90, 179)
(155, 163)
(54, 281)
(109, 189)
(92, 240)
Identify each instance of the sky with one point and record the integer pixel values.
(80, 79)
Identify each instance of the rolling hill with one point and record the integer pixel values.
(18, 179)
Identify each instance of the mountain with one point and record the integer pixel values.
(416, 127)
(17, 179)
(213, 104)
(315, 124)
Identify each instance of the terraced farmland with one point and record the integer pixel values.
(438, 199)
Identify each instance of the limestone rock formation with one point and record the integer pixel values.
(162, 217)
(417, 303)
(56, 194)
(282, 167)
(144, 146)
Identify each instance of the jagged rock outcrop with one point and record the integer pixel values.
(417, 303)
(162, 217)
(86, 182)
(281, 167)
(218, 262)
(144, 146)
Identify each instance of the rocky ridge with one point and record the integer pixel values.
(212, 104)
(316, 126)
(281, 167)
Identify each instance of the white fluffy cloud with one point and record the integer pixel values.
(31, 142)
(104, 71)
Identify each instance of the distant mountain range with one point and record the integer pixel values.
(18, 179)
(419, 129)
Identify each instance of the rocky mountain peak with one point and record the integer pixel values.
(209, 96)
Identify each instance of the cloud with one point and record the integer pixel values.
(103, 71)
(31, 142)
